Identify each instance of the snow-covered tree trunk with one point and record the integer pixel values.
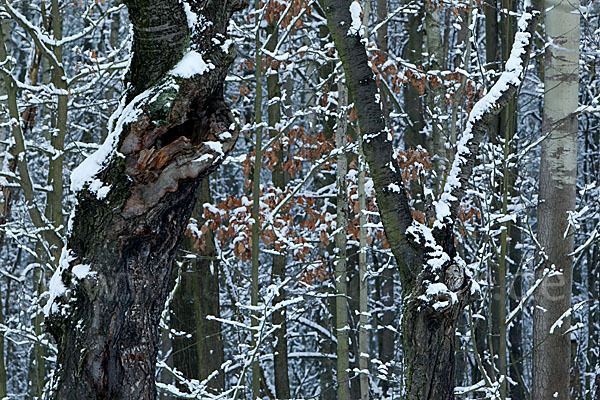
(134, 198)
(552, 347)
(435, 282)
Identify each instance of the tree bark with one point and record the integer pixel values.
(108, 293)
(197, 297)
(209, 342)
(386, 332)
(341, 273)
(2, 364)
(280, 180)
(552, 347)
(363, 334)
(258, 134)
(413, 100)
(427, 330)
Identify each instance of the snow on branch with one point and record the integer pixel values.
(488, 106)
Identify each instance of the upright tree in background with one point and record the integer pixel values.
(500, 33)
(280, 358)
(552, 320)
(387, 332)
(199, 354)
(341, 272)
(135, 196)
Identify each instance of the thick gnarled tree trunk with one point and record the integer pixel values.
(135, 196)
(435, 282)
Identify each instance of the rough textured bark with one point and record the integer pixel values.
(556, 198)
(106, 322)
(428, 333)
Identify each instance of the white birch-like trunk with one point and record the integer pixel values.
(551, 358)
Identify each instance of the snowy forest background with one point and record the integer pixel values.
(261, 249)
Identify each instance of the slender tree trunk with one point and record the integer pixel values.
(108, 293)
(258, 66)
(436, 104)
(511, 235)
(57, 139)
(197, 297)
(209, 342)
(363, 334)
(280, 358)
(2, 364)
(328, 122)
(413, 99)
(386, 332)
(341, 274)
(552, 347)
(594, 322)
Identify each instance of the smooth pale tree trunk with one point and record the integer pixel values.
(558, 171)
(106, 322)
(341, 273)
(428, 333)
(280, 180)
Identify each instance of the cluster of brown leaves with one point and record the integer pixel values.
(414, 163)
(320, 273)
(469, 215)
(231, 224)
(275, 8)
(470, 90)
(309, 148)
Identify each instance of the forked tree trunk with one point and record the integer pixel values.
(135, 196)
(428, 320)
